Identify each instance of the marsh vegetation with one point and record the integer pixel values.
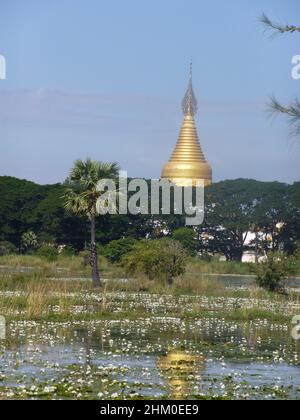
(140, 338)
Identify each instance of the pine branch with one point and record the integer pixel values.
(292, 112)
(277, 27)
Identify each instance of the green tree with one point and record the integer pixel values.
(290, 232)
(82, 196)
(19, 199)
(273, 211)
(49, 252)
(296, 257)
(157, 259)
(186, 236)
(115, 250)
(234, 209)
(7, 248)
(230, 206)
(29, 242)
(271, 272)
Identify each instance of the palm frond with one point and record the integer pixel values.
(89, 172)
(108, 170)
(75, 202)
(83, 193)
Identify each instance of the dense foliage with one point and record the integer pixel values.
(7, 248)
(187, 238)
(159, 258)
(116, 249)
(273, 270)
(49, 252)
(234, 210)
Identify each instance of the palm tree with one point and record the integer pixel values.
(82, 195)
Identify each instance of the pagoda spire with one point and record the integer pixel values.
(188, 162)
(189, 103)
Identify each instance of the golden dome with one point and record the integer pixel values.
(188, 161)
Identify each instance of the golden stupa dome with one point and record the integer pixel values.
(188, 164)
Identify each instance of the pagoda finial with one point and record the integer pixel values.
(189, 103)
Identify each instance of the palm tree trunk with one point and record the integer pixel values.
(94, 255)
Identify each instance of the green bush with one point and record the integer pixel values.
(116, 250)
(49, 252)
(68, 251)
(85, 255)
(187, 238)
(272, 272)
(157, 259)
(296, 257)
(7, 248)
(100, 249)
(29, 242)
(206, 257)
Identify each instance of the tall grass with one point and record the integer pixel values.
(33, 296)
(44, 292)
(200, 285)
(37, 301)
(63, 267)
(215, 266)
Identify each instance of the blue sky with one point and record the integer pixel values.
(105, 79)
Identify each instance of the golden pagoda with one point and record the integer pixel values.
(188, 164)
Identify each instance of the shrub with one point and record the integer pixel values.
(100, 249)
(296, 257)
(29, 242)
(116, 250)
(297, 252)
(7, 248)
(186, 236)
(49, 252)
(85, 255)
(67, 251)
(160, 258)
(271, 272)
(206, 257)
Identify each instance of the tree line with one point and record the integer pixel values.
(235, 209)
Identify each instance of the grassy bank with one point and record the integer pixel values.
(34, 297)
(74, 265)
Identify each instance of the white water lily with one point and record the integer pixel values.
(49, 389)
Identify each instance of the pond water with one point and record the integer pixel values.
(149, 358)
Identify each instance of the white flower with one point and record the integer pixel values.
(49, 389)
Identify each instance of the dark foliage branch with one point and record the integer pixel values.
(292, 112)
(275, 107)
(277, 27)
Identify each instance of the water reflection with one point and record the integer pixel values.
(123, 358)
(180, 369)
